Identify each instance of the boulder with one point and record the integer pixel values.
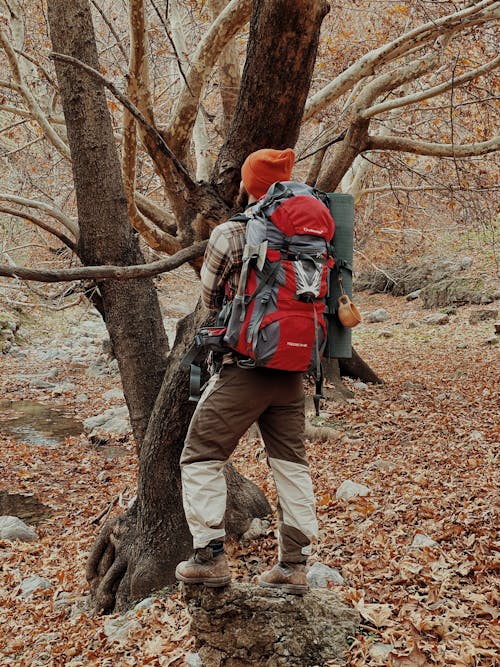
(436, 318)
(378, 315)
(33, 584)
(349, 489)
(12, 528)
(243, 624)
(482, 315)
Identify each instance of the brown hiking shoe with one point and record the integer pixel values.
(289, 577)
(204, 568)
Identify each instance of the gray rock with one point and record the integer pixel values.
(32, 584)
(12, 528)
(482, 315)
(256, 528)
(436, 318)
(244, 624)
(378, 315)
(413, 295)
(113, 421)
(380, 652)
(147, 603)
(386, 333)
(320, 574)
(113, 393)
(477, 436)
(193, 660)
(63, 388)
(360, 385)
(82, 398)
(412, 324)
(422, 540)
(117, 629)
(41, 384)
(349, 489)
(465, 262)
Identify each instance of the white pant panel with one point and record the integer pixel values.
(204, 497)
(296, 496)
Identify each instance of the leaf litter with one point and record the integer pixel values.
(426, 444)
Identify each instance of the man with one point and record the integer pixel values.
(234, 399)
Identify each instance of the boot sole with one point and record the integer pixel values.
(293, 589)
(215, 582)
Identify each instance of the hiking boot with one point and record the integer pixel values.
(207, 566)
(289, 577)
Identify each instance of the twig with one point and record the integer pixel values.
(339, 137)
(107, 510)
(130, 106)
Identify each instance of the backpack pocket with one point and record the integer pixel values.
(285, 341)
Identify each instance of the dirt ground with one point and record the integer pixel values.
(426, 443)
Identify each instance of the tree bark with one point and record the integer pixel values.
(131, 309)
(281, 53)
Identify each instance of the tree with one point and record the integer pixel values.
(138, 552)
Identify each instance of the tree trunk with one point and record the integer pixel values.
(137, 552)
(132, 311)
(357, 368)
(281, 53)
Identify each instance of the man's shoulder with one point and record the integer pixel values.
(232, 226)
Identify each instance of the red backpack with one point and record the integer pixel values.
(277, 316)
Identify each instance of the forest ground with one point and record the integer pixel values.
(425, 442)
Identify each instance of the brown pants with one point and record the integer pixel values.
(231, 403)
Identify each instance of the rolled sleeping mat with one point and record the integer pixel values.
(339, 342)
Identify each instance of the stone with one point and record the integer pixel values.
(477, 436)
(386, 333)
(360, 385)
(32, 584)
(380, 652)
(82, 398)
(117, 629)
(12, 528)
(243, 624)
(147, 603)
(436, 318)
(349, 489)
(422, 540)
(413, 295)
(63, 388)
(41, 384)
(482, 315)
(412, 324)
(378, 315)
(256, 528)
(319, 575)
(113, 421)
(113, 393)
(193, 660)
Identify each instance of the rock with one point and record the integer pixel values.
(113, 393)
(349, 489)
(378, 315)
(421, 540)
(386, 333)
(413, 295)
(477, 436)
(41, 384)
(320, 574)
(380, 652)
(465, 262)
(193, 660)
(493, 340)
(12, 528)
(82, 398)
(483, 315)
(385, 466)
(117, 629)
(244, 624)
(412, 324)
(147, 603)
(63, 388)
(360, 385)
(32, 584)
(436, 318)
(113, 421)
(458, 290)
(256, 528)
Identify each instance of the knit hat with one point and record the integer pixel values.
(263, 168)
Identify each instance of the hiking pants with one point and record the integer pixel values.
(231, 403)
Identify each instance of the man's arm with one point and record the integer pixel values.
(215, 269)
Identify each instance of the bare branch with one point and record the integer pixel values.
(49, 209)
(430, 92)
(111, 29)
(151, 130)
(402, 45)
(31, 101)
(40, 223)
(107, 272)
(392, 143)
(220, 33)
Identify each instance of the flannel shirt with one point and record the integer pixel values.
(222, 263)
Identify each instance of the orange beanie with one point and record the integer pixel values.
(263, 168)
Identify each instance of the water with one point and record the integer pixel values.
(37, 423)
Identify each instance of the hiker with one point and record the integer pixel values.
(235, 398)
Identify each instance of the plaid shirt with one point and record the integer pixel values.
(222, 263)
